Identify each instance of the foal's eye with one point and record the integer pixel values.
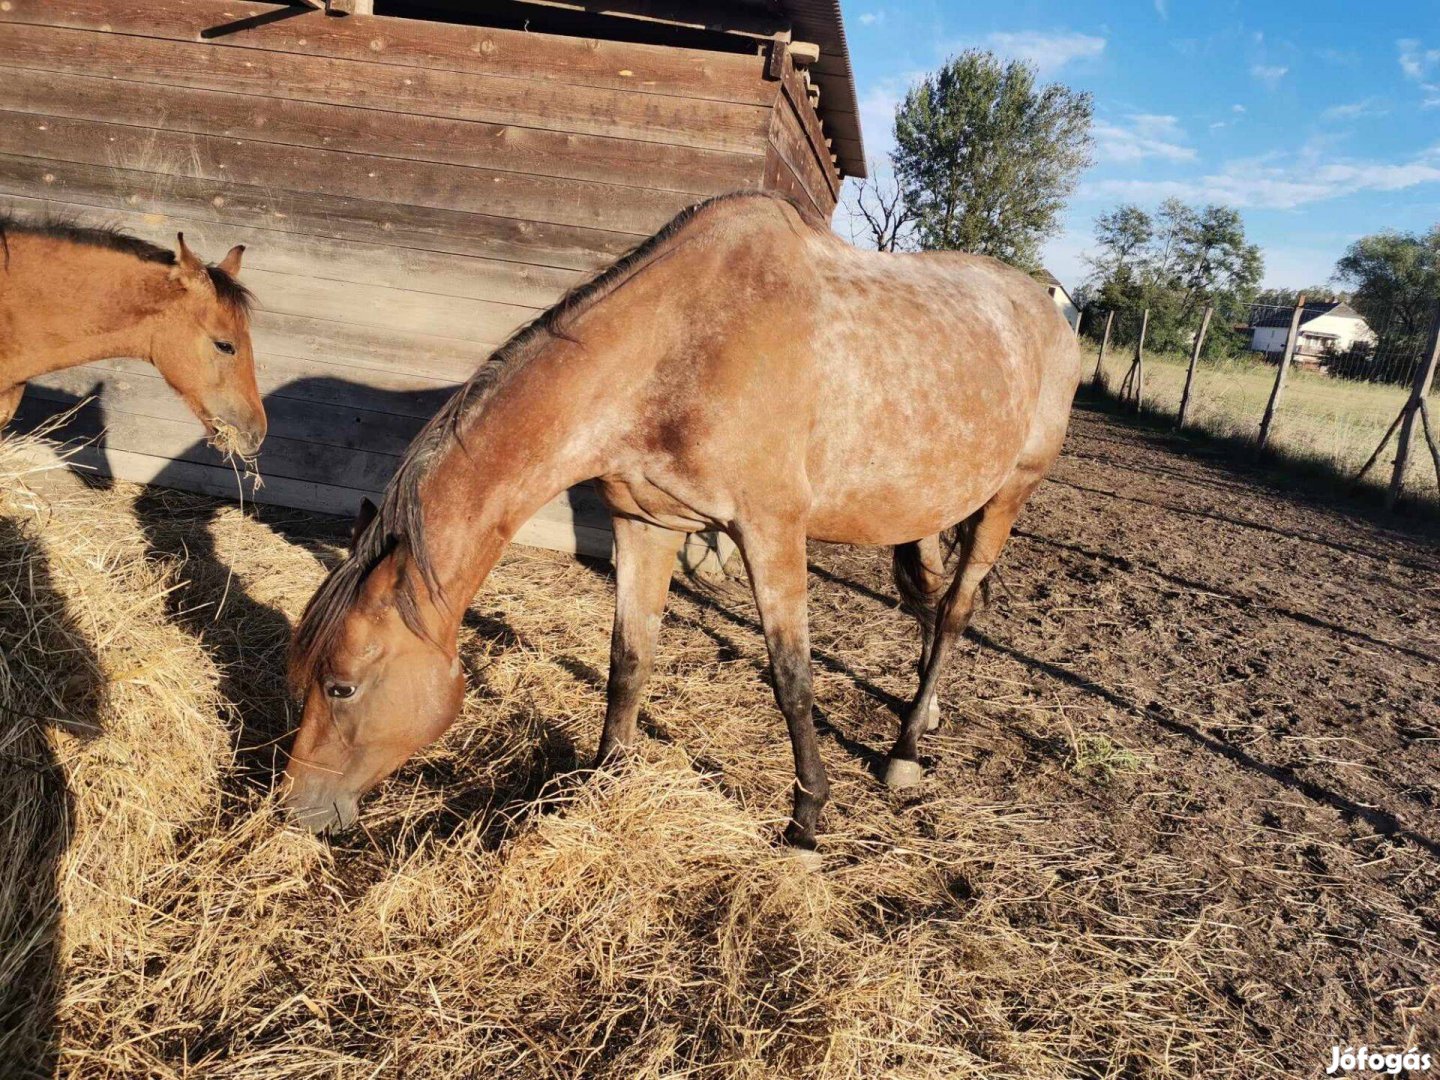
(340, 690)
(226, 347)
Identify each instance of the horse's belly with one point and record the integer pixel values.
(870, 489)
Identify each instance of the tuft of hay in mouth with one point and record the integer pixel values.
(226, 439)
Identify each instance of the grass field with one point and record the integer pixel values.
(1326, 423)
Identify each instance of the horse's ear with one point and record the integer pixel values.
(188, 269)
(368, 511)
(231, 263)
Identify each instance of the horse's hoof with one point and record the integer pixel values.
(901, 774)
(932, 718)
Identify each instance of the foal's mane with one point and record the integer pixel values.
(231, 293)
(400, 519)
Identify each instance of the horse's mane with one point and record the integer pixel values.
(111, 238)
(400, 518)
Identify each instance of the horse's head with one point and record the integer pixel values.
(375, 682)
(202, 348)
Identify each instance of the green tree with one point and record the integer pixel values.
(986, 156)
(1396, 279)
(1174, 262)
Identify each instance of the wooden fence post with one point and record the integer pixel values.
(1190, 373)
(1274, 402)
(1419, 389)
(1104, 341)
(1135, 377)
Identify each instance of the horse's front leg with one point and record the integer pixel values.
(9, 402)
(775, 559)
(644, 561)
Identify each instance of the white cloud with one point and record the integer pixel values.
(870, 18)
(1162, 8)
(1237, 108)
(1143, 135)
(1269, 74)
(1298, 181)
(1049, 52)
(1354, 110)
(1418, 63)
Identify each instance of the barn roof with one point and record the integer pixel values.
(820, 21)
(1281, 316)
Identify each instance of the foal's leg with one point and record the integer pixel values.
(930, 554)
(644, 560)
(978, 555)
(9, 402)
(775, 560)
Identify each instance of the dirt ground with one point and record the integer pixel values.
(1182, 818)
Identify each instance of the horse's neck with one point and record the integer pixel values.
(67, 304)
(546, 427)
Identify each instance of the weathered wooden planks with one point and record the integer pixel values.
(387, 87)
(324, 125)
(107, 188)
(638, 211)
(408, 43)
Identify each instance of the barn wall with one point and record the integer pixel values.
(409, 193)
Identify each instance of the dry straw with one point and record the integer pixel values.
(499, 914)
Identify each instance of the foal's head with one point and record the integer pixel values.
(377, 685)
(201, 346)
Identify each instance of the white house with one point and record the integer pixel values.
(1060, 296)
(1326, 327)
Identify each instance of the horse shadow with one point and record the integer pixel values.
(40, 638)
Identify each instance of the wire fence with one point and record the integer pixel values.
(1312, 384)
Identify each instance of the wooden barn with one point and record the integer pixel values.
(413, 182)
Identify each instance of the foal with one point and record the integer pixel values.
(742, 370)
(70, 295)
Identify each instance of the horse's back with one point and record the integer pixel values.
(938, 373)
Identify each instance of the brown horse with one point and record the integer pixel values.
(70, 295)
(743, 370)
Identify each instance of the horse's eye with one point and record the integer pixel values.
(340, 690)
(226, 347)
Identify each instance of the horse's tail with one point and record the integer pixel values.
(909, 570)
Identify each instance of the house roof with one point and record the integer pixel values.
(820, 21)
(1281, 316)
(1045, 277)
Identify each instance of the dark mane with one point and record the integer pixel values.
(400, 519)
(111, 238)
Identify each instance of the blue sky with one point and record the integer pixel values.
(1320, 122)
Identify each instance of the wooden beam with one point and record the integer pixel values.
(1419, 390)
(693, 15)
(1274, 402)
(1190, 371)
(1099, 379)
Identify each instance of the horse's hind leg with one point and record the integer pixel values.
(644, 561)
(980, 547)
(920, 577)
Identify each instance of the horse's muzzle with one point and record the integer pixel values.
(320, 808)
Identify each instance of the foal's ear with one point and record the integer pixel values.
(231, 263)
(188, 269)
(367, 513)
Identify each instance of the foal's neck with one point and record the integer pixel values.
(64, 304)
(547, 425)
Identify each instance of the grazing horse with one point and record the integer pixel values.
(744, 370)
(70, 295)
